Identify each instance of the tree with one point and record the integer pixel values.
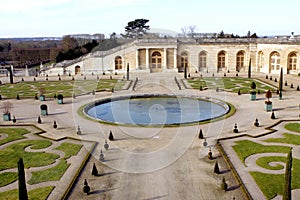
(136, 28)
(94, 170)
(248, 34)
(287, 189)
(249, 69)
(22, 182)
(113, 36)
(216, 168)
(192, 30)
(111, 136)
(224, 185)
(184, 31)
(268, 95)
(201, 134)
(221, 34)
(86, 187)
(280, 83)
(69, 42)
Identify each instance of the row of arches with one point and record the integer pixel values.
(275, 61)
(221, 60)
(156, 61)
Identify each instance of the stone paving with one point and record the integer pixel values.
(177, 179)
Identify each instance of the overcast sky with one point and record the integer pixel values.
(33, 18)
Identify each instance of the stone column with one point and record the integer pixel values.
(137, 59)
(175, 58)
(165, 59)
(147, 58)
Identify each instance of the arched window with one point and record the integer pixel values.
(118, 63)
(221, 59)
(240, 60)
(292, 61)
(184, 60)
(275, 61)
(77, 69)
(156, 60)
(260, 59)
(202, 60)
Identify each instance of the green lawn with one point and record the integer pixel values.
(66, 88)
(52, 174)
(8, 178)
(272, 184)
(11, 154)
(246, 148)
(36, 194)
(229, 84)
(293, 127)
(287, 139)
(13, 134)
(69, 149)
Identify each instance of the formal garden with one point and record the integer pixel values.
(31, 89)
(229, 84)
(45, 161)
(270, 156)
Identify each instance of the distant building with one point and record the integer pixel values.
(98, 36)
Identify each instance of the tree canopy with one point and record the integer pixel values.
(136, 28)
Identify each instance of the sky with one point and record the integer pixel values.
(55, 18)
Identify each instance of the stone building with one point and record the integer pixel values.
(267, 55)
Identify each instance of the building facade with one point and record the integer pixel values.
(267, 55)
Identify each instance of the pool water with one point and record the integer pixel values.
(156, 110)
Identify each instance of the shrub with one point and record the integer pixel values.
(111, 136)
(86, 187)
(216, 168)
(224, 185)
(60, 96)
(94, 170)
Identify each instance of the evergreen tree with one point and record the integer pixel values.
(280, 84)
(111, 136)
(94, 170)
(127, 71)
(249, 69)
(201, 134)
(216, 168)
(287, 190)
(22, 182)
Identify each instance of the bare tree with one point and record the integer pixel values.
(192, 30)
(184, 31)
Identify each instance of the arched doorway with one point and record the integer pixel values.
(77, 70)
(156, 62)
(118, 63)
(221, 61)
(274, 62)
(292, 62)
(183, 62)
(202, 61)
(240, 56)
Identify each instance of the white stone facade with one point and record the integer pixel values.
(268, 55)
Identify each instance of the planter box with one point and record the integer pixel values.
(42, 98)
(6, 117)
(268, 107)
(44, 112)
(252, 97)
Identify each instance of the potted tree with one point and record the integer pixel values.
(253, 92)
(268, 103)
(60, 98)
(42, 94)
(44, 110)
(7, 106)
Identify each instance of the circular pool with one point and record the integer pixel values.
(156, 109)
